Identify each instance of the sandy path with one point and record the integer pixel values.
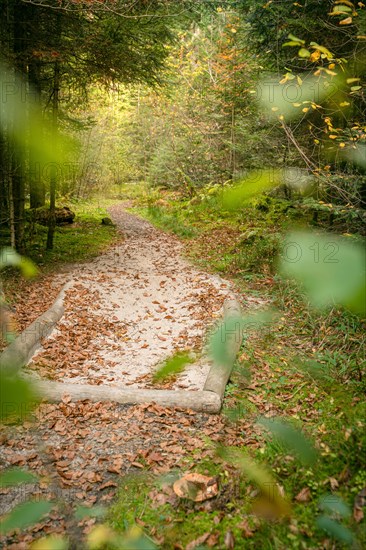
(131, 308)
(125, 311)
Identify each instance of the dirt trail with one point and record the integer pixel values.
(130, 309)
(125, 311)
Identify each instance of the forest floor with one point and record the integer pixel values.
(97, 454)
(126, 311)
(130, 309)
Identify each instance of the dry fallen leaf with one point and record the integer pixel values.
(229, 540)
(196, 487)
(197, 542)
(247, 531)
(213, 540)
(360, 503)
(358, 514)
(304, 495)
(333, 483)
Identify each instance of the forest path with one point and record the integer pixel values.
(139, 301)
(131, 308)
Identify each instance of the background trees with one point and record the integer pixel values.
(55, 52)
(166, 93)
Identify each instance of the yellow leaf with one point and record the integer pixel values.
(297, 104)
(271, 491)
(342, 145)
(299, 81)
(274, 109)
(54, 542)
(332, 136)
(305, 109)
(303, 52)
(315, 56)
(99, 537)
(345, 2)
(322, 49)
(346, 21)
(331, 66)
(316, 141)
(295, 38)
(344, 104)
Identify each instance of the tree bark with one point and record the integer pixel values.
(18, 200)
(4, 182)
(37, 191)
(17, 172)
(55, 106)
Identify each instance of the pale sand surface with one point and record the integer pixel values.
(130, 309)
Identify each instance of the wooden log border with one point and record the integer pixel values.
(20, 351)
(209, 400)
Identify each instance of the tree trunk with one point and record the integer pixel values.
(37, 191)
(4, 182)
(17, 193)
(18, 200)
(55, 106)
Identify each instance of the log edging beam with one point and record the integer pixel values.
(20, 351)
(208, 400)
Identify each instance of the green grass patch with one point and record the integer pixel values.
(80, 241)
(172, 366)
(307, 368)
(168, 221)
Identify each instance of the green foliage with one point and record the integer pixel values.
(25, 514)
(16, 476)
(334, 505)
(220, 350)
(17, 396)
(331, 269)
(250, 187)
(9, 257)
(291, 439)
(172, 366)
(236, 327)
(335, 530)
(20, 114)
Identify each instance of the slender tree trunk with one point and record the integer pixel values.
(4, 181)
(37, 191)
(18, 199)
(53, 176)
(55, 107)
(11, 214)
(17, 193)
(233, 143)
